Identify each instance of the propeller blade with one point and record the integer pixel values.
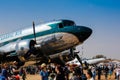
(34, 31)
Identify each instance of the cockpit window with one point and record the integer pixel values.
(68, 23)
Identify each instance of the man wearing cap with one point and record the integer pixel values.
(43, 72)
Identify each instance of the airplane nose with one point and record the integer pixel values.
(84, 33)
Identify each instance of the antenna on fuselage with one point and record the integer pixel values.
(34, 31)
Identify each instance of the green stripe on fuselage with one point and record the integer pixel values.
(54, 29)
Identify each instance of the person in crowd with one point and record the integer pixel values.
(43, 72)
(110, 71)
(23, 73)
(4, 73)
(93, 70)
(51, 72)
(59, 73)
(77, 74)
(15, 71)
(117, 72)
(99, 71)
(89, 75)
(70, 71)
(106, 69)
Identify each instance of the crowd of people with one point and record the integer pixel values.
(74, 72)
(12, 72)
(55, 71)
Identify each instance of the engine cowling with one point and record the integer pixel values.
(23, 46)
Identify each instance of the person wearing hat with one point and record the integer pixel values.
(43, 72)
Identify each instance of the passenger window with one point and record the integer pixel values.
(60, 25)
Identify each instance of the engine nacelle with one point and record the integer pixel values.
(23, 46)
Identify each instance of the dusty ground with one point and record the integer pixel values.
(33, 77)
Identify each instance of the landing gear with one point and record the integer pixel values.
(77, 56)
(82, 72)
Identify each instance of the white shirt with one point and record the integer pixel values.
(91, 78)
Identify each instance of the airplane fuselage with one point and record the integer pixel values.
(47, 40)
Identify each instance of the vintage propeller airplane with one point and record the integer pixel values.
(53, 40)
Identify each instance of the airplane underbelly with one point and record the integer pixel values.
(60, 42)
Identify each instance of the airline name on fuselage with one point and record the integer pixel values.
(23, 32)
(27, 31)
(6, 36)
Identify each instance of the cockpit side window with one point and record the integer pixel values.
(60, 25)
(68, 23)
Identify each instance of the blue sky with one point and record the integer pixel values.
(103, 16)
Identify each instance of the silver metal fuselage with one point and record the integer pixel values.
(51, 38)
